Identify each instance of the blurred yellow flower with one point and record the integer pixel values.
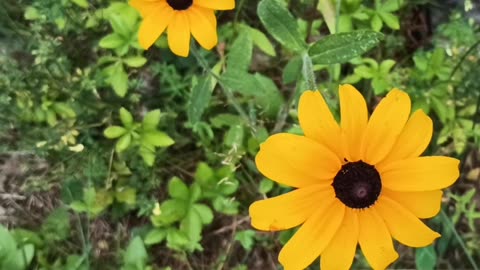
(360, 181)
(182, 17)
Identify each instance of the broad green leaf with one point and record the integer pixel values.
(376, 23)
(126, 117)
(426, 258)
(240, 54)
(327, 8)
(64, 110)
(391, 20)
(269, 99)
(261, 41)
(339, 48)
(126, 195)
(78, 206)
(292, 71)
(113, 132)
(265, 186)
(204, 212)
(123, 143)
(148, 155)
(364, 71)
(195, 192)
(151, 120)
(345, 24)
(246, 238)
(157, 138)
(136, 254)
(7, 243)
(191, 225)
(81, 3)
(177, 189)
(199, 99)
(31, 13)
(241, 82)
(119, 80)
(204, 173)
(234, 136)
(386, 66)
(391, 5)
(155, 236)
(135, 61)
(172, 210)
(112, 41)
(281, 24)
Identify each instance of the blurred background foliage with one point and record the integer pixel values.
(112, 157)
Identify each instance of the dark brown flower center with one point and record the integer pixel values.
(357, 185)
(180, 4)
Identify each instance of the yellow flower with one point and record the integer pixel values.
(360, 181)
(182, 17)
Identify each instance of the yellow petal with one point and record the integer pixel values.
(420, 174)
(413, 140)
(288, 210)
(179, 34)
(313, 236)
(340, 251)
(354, 118)
(317, 121)
(375, 239)
(423, 204)
(201, 26)
(404, 226)
(215, 4)
(296, 161)
(145, 7)
(153, 25)
(385, 125)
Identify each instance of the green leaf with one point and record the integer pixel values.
(376, 23)
(195, 192)
(204, 173)
(386, 66)
(155, 236)
(191, 225)
(293, 70)
(391, 5)
(78, 206)
(135, 61)
(126, 195)
(64, 110)
(339, 48)
(327, 9)
(119, 80)
(234, 136)
(204, 212)
(136, 254)
(112, 41)
(172, 211)
(240, 54)
(148, 155)
(157, 138)
(241, 82)
(113, 132)
(390, 20)
(261, 41)
(177, 189)
(199, 99)
(7, 243)
(269, 99)
(281, 24)
(265, 186)
(151, 120)
(246, 238)
(31, 13)
(123, 143)
(126, 117)
(426, 258)
(81, 3)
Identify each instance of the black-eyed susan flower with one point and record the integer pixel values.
(181, 18)
(361, 181)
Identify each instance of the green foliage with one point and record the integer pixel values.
(143, 135)
(13, 255)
